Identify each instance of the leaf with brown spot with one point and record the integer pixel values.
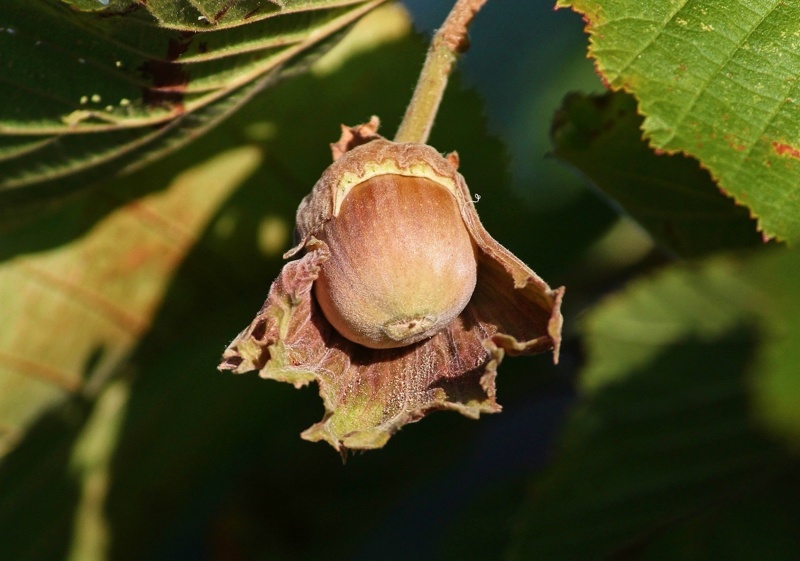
(716, 81)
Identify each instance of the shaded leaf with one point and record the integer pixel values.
(87, 94)
(670, 196)
(759, 290)
(718, 81)
(669, 441)
(38, 494)
(666, 439)
(493, 512)
(750, 530)
(71, 314)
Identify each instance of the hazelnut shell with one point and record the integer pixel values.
(402, 262)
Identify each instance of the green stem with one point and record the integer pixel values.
(447, 44)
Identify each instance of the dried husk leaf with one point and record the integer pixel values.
(371, 393)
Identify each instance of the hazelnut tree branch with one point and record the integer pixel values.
(447, 44)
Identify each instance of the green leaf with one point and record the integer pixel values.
(632, 327)
(73, 313)
(91, 465)
(670, 196)
(677, 368)
(89, 94)
(762, 527)
(776, 383)
(705, 302)
(670, 440)
(717, 81)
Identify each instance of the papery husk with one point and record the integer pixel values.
(369, 394)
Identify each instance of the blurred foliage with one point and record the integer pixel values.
(645, 456)
(666, 439)
(120, 441)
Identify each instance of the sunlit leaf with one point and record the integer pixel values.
(90, 464)
(776, 382)
(633, 327)
(718, 81)
(760, 291)
(88, 93)
(72, 313)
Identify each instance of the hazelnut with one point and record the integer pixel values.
(402, 262)
(400, 303)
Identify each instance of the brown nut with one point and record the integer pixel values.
(402, 262)
(389, 233)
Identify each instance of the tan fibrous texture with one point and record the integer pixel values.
(402, 262)
(370, 393)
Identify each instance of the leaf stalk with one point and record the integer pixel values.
(448, 43)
